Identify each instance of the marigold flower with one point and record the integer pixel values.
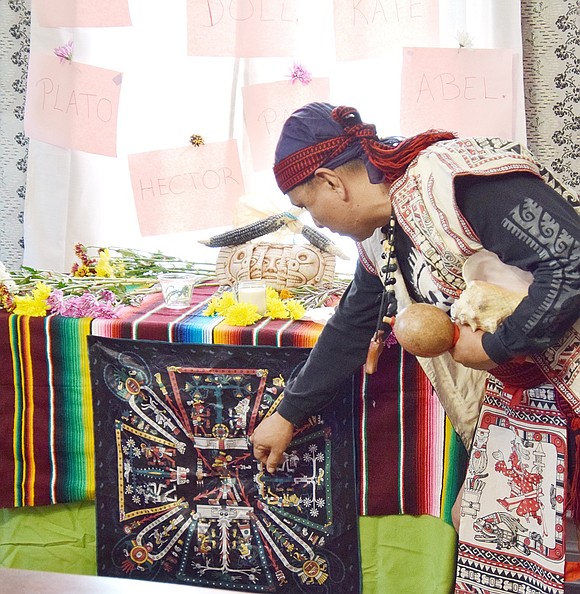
(242, 314)
(295, 309)
(276, 309)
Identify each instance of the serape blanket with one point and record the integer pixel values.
(412, 461)
(410, 458)
(180, 497)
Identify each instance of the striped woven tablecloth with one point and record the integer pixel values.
(409, 454)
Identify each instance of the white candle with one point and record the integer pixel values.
(253, 292)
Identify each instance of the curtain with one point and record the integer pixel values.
(74, 196)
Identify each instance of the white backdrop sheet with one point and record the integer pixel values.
(166, 96)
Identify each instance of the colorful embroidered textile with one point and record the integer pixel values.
(512, 530)
(180, 497)
(46, 440)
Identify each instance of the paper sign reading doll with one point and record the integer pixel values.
(186, 189)
(72, 105)
(266, 108)
(248, 28)
(370, 28)
(82, 13)
(466, 91)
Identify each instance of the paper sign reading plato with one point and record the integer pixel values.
(82, 13)
(72, 105)
(243, 28)
(186, 189)
(370, 28)
(266, 108)
(466, 91)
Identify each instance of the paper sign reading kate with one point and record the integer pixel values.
(466, 91)
(82, 13)
(266, 108)
(244, 28)
(72, 105)
(369, 28)
(186, 189)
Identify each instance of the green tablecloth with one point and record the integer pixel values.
(399, 554)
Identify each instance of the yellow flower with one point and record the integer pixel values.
(82, 270)
(271, 293)
(286, 294)
(276, 310)
(33, 304)
(104, 267)
(295, 308)
(225, 302)
(242, 314)
(219, 306)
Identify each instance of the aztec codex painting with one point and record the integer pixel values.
(180, 496)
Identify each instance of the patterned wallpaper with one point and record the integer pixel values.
(551, 56)
(14, 49)
(551, 59)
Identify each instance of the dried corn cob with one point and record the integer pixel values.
(249, 232)
(319, 240)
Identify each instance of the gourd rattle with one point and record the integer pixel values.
(424, 330)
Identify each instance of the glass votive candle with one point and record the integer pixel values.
(254, 292)
(177, 289)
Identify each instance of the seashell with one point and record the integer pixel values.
(484, 306)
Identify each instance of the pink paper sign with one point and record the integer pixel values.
(72, 105)
(466, 91)
(186, 189)
(243, 28)
(370, 28)
(266, 108)
(82, 13)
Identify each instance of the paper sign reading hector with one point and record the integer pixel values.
(186, 189)
(72, 105)
(466, 91)
(248, 28)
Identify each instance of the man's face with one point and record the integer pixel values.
(344, 205)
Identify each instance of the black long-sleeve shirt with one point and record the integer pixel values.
(517, 216)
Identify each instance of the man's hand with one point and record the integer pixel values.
(270, 439)
(468, 350)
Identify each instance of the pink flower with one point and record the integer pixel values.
(299, 73)
(84, 306)
(64, 52)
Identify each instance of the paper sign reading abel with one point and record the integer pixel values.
(186, 189)
(369, 28)
(72, 105)
(266, 108)
(466, 91)
(256, 28)
(82, 13)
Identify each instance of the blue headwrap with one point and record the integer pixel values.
(312, 137)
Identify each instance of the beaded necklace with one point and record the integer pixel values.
(388, 305)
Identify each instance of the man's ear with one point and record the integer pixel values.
(330, 179)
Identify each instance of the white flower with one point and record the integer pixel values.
(464, 39)
(5, 278)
